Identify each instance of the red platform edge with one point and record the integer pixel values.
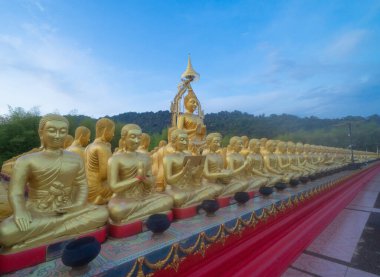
(182, 213)
(223, 201)
(130, 229)
(125, 230)
(19, 260)
(269, 248)
(251, 194)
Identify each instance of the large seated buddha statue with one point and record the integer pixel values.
(190, 122)
(56, 206)
(214, 173)
(82, 138)
(97, 155)
(183, 176)
(257, 169)
(132, 182)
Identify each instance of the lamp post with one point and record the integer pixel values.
(350, 135)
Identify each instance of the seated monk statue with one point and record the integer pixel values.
(68, 141)
(283, 161)
(293, 160)
(144, 145)
(301, 160)
(271, 162)
(214, 173)
(56, 207)
(245, 150)
(7, 167)
(257, 170)
(158, 164)
(5, 207)
(82, 138)
(239, 165)
(97, 155)
(184, 180)
(132, 182)
(191, 123)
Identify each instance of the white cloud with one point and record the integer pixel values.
(38, 68)
(346, 43)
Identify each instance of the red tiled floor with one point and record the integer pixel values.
(339, 239)
(319, 266)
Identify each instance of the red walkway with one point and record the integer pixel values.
(350, 245)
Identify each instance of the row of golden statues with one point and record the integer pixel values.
(76, 190)
(65, 189)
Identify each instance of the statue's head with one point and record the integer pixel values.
(281, 146)
(236, 143)
(245, 140)
(213, 141)
(145, 141)
(179, 139)
(270, 145)
(105, 128)
(263, 142)
(191, 101)
(131, 135)
(254, 145)
(53, 129)
(82, 135)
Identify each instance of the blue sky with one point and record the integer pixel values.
(99, 58)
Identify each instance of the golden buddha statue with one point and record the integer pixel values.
(293, 160)
(5, 208)
(120, 147)
(263, 142)
(97, 155)
(82, 138)
(144, 145)
(184, 180)
(188, 121)
(239, 165)
(56, 207)
(283, 161)
(271, 162)
(132, 182)
(8, 165)
(214, 173)
(68, 141)
(245, 151)
(192, 119)
(257, 169)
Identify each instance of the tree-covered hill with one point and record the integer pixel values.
(18, 128)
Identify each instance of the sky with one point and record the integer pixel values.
(99, 57)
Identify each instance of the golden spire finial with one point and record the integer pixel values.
(190, 73)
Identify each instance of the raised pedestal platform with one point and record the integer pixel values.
(20, 259)
(130, 229)
(259, 238)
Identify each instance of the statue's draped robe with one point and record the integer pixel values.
(52, 185)
(137, 201)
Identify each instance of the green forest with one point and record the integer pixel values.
(18, 128)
